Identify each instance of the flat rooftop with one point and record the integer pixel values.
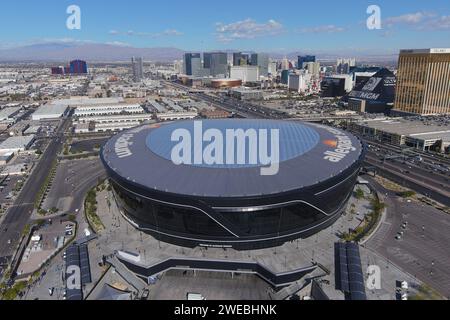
(50, 109)
(8, 112)
(17, 142)
(406, 127)
(86, 101)
(422, 51)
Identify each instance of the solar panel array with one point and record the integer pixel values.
(72, 259)
(78, 255)
(349, 274)
(84, 265)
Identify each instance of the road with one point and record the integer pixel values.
(423, 184)
(437, 182)
(428, 157)
(72, 181)
(240, 108)
(429, 176)
(424, 249)
(19, 214)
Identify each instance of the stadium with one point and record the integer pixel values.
(233, 204)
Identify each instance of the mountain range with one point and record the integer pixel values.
(98, 52)
(90, 52)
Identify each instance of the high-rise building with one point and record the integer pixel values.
(273, 68)
(192, 64)
(245, 73)
(299, 82)
(57, 71)
(241, 59)
(313, 68)
(207, 57)
(216, 62)
(262, 61)
(285, 65)
(285, 76)
(336, 86)
(374, 95)
(343, 66)
(237, 56)
(78, 67)
(178, 66)
(138, 69)
(423, 85)
(304, 59)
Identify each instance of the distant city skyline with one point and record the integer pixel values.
(334, 27)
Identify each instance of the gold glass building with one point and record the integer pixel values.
(423, 82)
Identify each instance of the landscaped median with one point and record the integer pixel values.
(13, 292)
(43, 189)
(90, 208)
(370, 223)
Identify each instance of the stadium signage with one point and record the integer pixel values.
(344, 146)
(122, 146)
(364, 95)
(237, 146)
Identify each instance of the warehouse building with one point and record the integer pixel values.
(50, 112)
(17, 144)
(246, 94)
(404, 132)
(106, 110)
(7, 114)
(110, 123)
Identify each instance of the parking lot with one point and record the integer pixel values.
(46, 241)
(423, 247)
(7, 187)
(70, 184)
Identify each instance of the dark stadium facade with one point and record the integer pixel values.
(233, 206)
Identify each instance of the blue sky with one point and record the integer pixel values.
(282, 25)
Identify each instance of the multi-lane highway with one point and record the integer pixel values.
(412, 170)
(240, 108)
(18, 216)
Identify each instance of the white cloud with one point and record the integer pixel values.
(424, 21)
(410, 18)
(119, 44)
(323, 29)
(172, 32)
(247, 29)
(131, 33)
(438, 23)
